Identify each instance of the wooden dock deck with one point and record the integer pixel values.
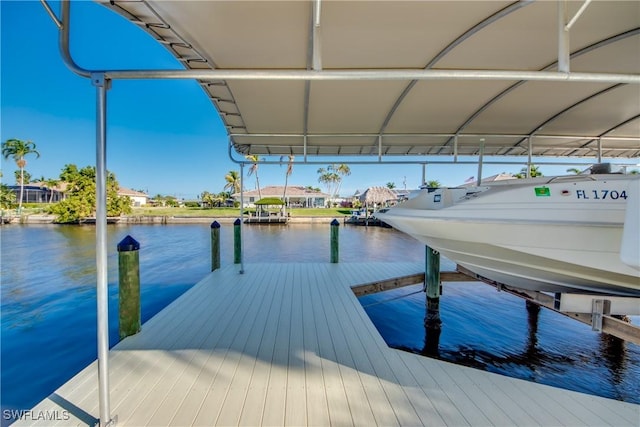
(289, 344)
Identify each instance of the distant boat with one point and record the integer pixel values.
(362, 217)
(563, 234)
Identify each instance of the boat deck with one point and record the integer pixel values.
(289, 344)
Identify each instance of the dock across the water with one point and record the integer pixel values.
(289, 344)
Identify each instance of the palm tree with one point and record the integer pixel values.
(433, 184)
(233, 181)
(18, 149)
(574, 171)
(286, 176)
(51, 184)
(332, 177)
(207, 199)
(329, 179)
(7, 197)
(533, 172)
(254, 158)
(391, 185)
(341, 170)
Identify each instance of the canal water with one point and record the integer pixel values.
(48, 304)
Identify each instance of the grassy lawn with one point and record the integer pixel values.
(231, 212)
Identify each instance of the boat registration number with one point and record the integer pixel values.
(601, 194)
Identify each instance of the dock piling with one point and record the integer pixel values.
(237, 242)
(335, 241)
(432, 288)
(215, 245)
(129, 287)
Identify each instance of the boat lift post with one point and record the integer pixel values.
(432, 288)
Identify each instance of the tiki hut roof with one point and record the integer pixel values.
(377, 195)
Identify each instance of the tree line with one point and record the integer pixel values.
(80, 192)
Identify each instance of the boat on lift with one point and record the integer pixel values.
(568, 234)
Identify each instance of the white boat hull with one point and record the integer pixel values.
(563, 241)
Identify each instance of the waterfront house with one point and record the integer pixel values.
(138, 198)
(40, 192)
(297, 196)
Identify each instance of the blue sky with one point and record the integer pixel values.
(164, 137)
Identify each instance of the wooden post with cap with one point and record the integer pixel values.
(129, 287)
(215, 245)
(237, 241)
(335, 250)
(432, 288)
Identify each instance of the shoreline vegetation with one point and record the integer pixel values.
(177, 215)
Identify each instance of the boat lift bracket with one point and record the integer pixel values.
(598, 312)
(599, 308)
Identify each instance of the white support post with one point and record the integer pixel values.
(317, 43)
(241, 216)
(102, 290)
(563, 38)
(455, 148)
(480, 160)
(599, 150)
(529, 155)
(304, 147)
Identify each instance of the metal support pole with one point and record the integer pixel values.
(424, 174)
(599, 150)
(304, 147)
(563, 38)
(455, 148)
(241, 216)
(529, 156)
(480, 160)
(102, 85)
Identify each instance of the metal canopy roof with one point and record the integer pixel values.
(412, 77)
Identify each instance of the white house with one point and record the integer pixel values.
(137, 198)
(297, 196)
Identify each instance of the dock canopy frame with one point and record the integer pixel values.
(388, 78)
(410, 78)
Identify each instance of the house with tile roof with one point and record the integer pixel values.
(297, 196)
(138, 198)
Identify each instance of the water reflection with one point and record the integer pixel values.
(48, 301)
(614, 352)
(533, 312)
(432, 327)
(498, 332)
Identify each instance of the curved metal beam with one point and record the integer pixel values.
(636, 117)
(569, 108)
(576, 54)
(63, 42)
(467, 34)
